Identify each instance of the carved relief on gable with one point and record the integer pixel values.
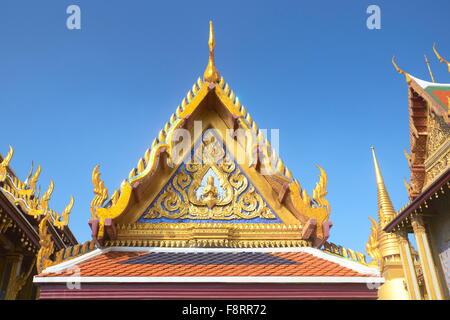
(210, 186)
(438, 167)
(417, 182)
(438, 133)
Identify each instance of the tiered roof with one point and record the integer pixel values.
(41, 229)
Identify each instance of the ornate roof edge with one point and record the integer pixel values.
(164, 143)
(339, 258)
(437, 186)
(419, 86)
(23, 193)
(346, 253)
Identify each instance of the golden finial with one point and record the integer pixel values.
(440, 58)
(211, 74)
(385, 207)
(5, 163)
(429, 68)
(408, 79)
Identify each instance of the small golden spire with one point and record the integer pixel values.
(440, 58)
(211, 74)
(385, 207)
(429, 68)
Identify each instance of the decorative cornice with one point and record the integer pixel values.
(440, 185)
(340, 251)
(211, 243)
(233, 235)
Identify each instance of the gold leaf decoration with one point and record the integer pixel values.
(62, 220)
(372, 245)
(47, 246)
(320, 191)
(4, 164)
(194, 194)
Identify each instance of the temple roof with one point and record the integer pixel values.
(140, 206)
(438, 94)
(30, 206)
(169, 223)
(209, 265)
(429, 122)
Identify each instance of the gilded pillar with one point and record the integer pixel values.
(426, 260)
(408, 266)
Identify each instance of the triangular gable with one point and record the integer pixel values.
(192, 196)
(292, 204)
(263, 167)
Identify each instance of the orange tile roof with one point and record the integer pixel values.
(208, 264)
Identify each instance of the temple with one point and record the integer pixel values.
(210, 211)
(418, 268)
(30, 231)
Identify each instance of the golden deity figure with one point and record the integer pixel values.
(210, 193)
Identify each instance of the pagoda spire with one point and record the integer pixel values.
(211, 74)
(385, 207)
(385, 247)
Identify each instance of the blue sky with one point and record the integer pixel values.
(72, 99)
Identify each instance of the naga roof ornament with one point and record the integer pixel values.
(407, 77)
(23, 193)
(437, 95)
(442, 60)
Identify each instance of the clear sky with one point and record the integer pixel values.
(72, 99)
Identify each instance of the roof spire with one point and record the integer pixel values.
(429, 68)
(440, 58)
(211, 74)
(385, 207)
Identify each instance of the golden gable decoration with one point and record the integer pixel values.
(212, 101)
(239, 200)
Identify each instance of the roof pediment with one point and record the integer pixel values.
(162, 190)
